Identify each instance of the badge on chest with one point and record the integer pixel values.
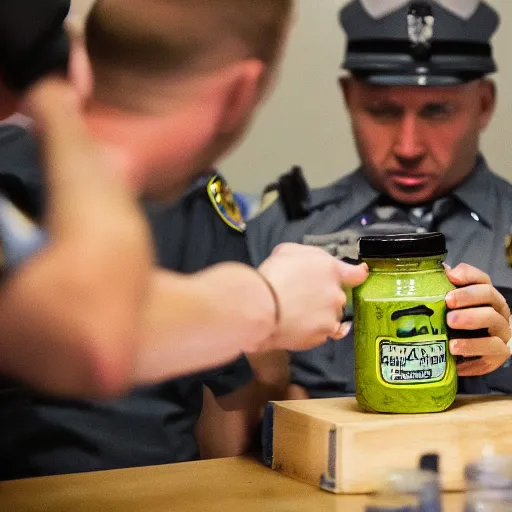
(225, 204)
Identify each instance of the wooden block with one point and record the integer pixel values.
(334, 444)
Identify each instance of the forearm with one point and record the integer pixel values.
(70, 317)
(272, 374)
(239, 413)
(296, 392)
(227, 424)
(89, 327)
(202, 321)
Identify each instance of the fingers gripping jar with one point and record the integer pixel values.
(402, 358)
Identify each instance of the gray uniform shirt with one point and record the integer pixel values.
(475, 227)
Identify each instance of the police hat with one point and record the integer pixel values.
(33, 40)
(430, 42)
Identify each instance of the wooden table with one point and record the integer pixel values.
(227, 485)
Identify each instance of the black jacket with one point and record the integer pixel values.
(40, 435)
(32, 40)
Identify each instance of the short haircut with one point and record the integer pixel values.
(182, 35)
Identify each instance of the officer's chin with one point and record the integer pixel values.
(411, 195)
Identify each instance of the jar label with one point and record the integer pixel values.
(407, 362)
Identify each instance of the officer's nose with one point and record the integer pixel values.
(408, 147)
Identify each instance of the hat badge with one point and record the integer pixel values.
(420, 29)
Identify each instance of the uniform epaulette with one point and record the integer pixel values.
(324, 196)
(297, 198)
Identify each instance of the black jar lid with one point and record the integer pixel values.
(402, 246)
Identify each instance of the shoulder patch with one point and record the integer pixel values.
(225, 204)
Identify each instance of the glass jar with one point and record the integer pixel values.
(489, 484)
(402, 358)
(407, 490)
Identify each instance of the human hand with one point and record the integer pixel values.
(87, 181)
(477, 305)
(308, 284)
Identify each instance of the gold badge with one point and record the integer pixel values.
(508, 248)
(225, 203)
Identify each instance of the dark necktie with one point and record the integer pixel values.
(412, 218)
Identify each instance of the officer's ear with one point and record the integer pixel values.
(243, 89)
(346, 85)
(80, 70)
(487, 101)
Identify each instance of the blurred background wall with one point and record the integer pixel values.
(304, 120)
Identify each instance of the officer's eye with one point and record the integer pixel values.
(438, 111)
(385, 112)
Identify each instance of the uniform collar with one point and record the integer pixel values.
(362, 195)
(357, 195)
(198, 185)
(353, 191)
(476, 193)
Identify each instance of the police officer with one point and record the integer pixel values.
(152, 424)
(418, 98)
(155, 424)
(36, 340)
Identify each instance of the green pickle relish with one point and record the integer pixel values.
(402, 358)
